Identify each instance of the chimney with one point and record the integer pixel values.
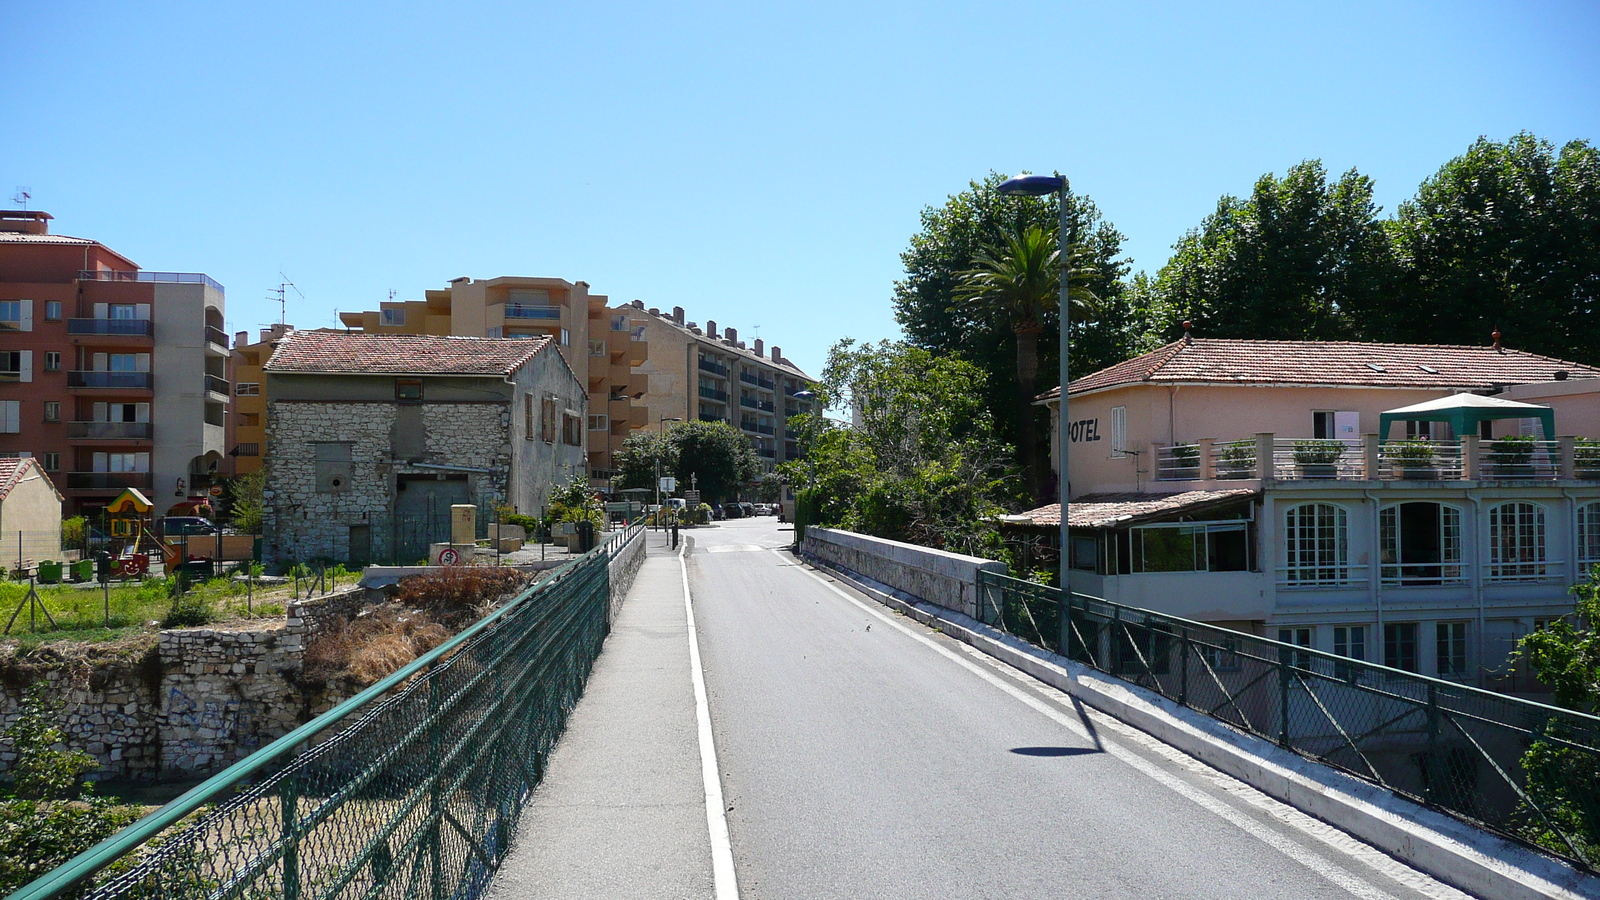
(638, 304)
(25, 221)
(1497, 340)
(711, 329)
(739, 344)
(677, 316)
(654, 311)
(240, 339)
(777, 354)
(759, 350)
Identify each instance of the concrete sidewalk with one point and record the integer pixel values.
(621, 811)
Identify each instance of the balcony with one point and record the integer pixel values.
(114, 327)
(156, 277)
(108, 431)
(707, 365)
(748, 402)
(218, 385)
(711, 417)
(109, 380)
(107, 481)
(713, 394)
(519, 311)
(1267, 456)
(767, 452)
(765, 405)
(215, 335)
(748, 378)
(764, 429)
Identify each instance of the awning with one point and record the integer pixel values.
(1465, 411)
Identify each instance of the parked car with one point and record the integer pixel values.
(748, 510)
(732, 511)
(178, 526)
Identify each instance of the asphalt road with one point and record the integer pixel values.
(865, 756)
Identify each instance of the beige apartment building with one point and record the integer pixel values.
(1420, 506)
(707, 374)
(247, 421)
(603, 347)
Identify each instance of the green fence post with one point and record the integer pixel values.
(289, 795)
(435, 800)
(1183, 667)
(1431, 765)
(1283, 700)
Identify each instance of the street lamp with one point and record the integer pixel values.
(661, 431)
(1038, 186)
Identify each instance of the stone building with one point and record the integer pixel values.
(372, 437)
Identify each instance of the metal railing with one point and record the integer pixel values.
(1521, 769)
(707, 365)
(1317, 459)
(156, 277)
(1234, 459)
(82, 378)
(412, 788)
(1179, 462)
(105, 481)
(713, 394)
(518, 311)
(1421, 460)
(218, 385)
(1514, 460)
(215, 335)
(109, 431)
(119, 327)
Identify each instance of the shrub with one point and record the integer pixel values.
(189, 608)
(1318, 452)
(459, 595)
(377, 643)
(72, 532)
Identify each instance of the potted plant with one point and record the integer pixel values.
(1185, 462)
(1236, 459)
(1414, 458)
(1586, 458)
(1318, 458)
(1512, 456)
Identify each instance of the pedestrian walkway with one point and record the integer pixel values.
(621, 810)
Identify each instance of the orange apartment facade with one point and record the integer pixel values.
(1246, 483)
(111, 376)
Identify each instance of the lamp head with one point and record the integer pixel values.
(1032, 185)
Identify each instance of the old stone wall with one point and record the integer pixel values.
(303, 522)
(946, 579)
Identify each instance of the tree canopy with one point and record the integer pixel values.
(714, 456)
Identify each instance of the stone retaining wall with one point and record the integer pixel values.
(944, 579)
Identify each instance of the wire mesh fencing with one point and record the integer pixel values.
(1519, 768)
(410, 789)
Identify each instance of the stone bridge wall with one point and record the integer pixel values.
(944, 579)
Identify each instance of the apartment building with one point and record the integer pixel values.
(603, 346)
(1419, 506)
(705, 374)
(111, 376)
(247, 420)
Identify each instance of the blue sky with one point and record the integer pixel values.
(758, 164)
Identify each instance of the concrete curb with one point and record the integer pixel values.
(1446, 848)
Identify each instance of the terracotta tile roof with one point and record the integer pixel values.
(1331, 363)
(337, 352)
(12, 472)
(20, 237)
(1106, 510)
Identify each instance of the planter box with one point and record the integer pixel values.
(1319, 470)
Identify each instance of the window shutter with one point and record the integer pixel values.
(26, 373)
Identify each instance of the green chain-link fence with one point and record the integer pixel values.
(411, 789)
(1519, 768)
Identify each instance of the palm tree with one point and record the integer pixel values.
(1020, 280)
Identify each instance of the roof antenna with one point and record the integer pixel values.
(1497, 340)
(22, 196)
(281, 291)
(1187, 326)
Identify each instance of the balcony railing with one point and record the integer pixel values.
(108, 431)
(765, 406)
(107, 481)
(156, 277)
(711, 417)
(764, 429)
(108, 380)
(748, 402)
(518, 311)
(767, 452)
(749, 378)
(218, 385)
(1413, 459)
(764, 384)
(215, 335)
(707, 365)
(118, 327)
(713, 394)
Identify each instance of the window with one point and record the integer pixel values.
(1340, 425)
(1452, 649)
(548, 411)
(50, 461)
(122, 311)
(1119, 432)
(408, 390)
(528, 430)
(571, 429)
(601, 422)
(392, 317)
(566, 338)
(127, 362)
(10, 416)
(1588, 537)
(1516, 542)
(16, 365)
(1420, 544)
(52, 310)
(1400, 646)
(619, 322)
(52, 360)
(122, 462)
(1349, 641)
(52, 410)
(597, 348)
(497, 331)
(16, 315)
(1299, 637)
(247, 389)
(334, 468)
(1223, 656)
(1085, 552)
(1191, 547)
(1316, 545)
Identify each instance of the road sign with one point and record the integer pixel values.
(691, 498)
(669, 483)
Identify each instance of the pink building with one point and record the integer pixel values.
(1246, 483)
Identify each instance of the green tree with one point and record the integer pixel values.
(921, 464)
(1022, 281)
(949, 243)
(718, 456)
(1564, 782)
(637, 461)
(246, 502)
(1302, 258)
(1505, 236)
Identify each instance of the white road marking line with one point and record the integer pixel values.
(1382, 864)
(723, 879)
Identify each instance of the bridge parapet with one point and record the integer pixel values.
(944, 579)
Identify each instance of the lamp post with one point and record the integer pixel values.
(811, 472)
(661, 431)
(1038, 186)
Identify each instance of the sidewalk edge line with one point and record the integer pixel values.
(724, 881)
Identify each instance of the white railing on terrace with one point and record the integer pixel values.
(1421, 460)
(1413, 459)
(1316, 458)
